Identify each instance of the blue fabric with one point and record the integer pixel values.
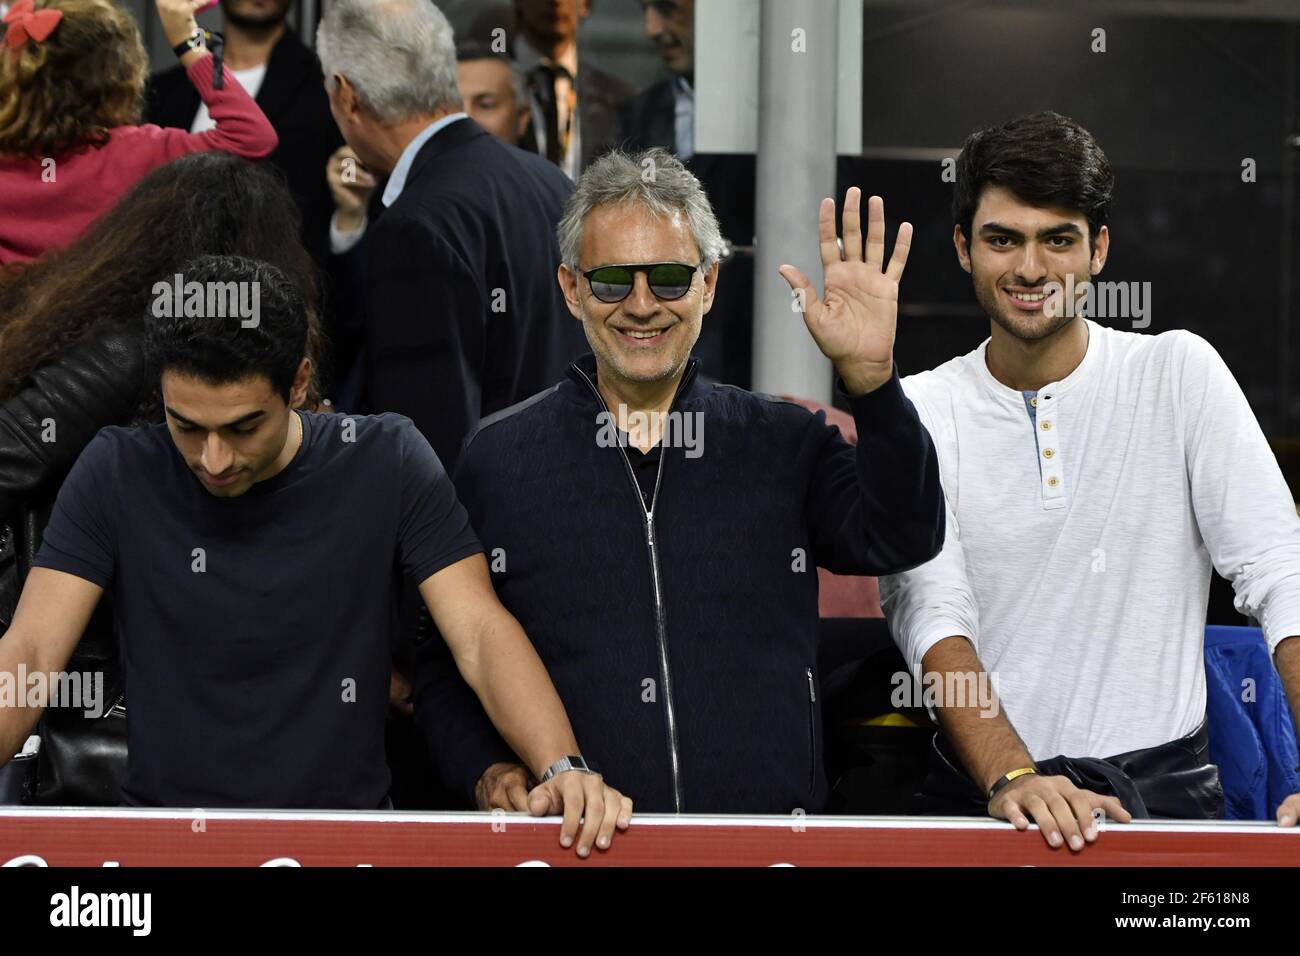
(1252, 735)
(1030, 397)
(1029, 405)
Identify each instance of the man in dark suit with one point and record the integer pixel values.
(459, 311)
(463, 313)
(494, 90)
(284, 77)
(573, 105)
(664, 115)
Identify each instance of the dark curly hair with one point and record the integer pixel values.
(204, 204)
(1045, 159)
(85, 79)
(230, 346)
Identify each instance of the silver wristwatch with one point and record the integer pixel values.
(571, 762)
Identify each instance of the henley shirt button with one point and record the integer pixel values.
(1053, 482)
(1047, 426)
(1034, 402)
(1048, 452)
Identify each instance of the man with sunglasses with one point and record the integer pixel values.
(668, 578)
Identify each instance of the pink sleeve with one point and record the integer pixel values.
(242, 127)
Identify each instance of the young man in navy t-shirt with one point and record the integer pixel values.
(254, 553)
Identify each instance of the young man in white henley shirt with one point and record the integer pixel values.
(1092, 476)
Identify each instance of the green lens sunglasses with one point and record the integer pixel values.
(668, 280)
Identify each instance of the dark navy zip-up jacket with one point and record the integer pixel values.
(683, 643)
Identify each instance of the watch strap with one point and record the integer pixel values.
(194, 41)
(212, 41)
(565, 764)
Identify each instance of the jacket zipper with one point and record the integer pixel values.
(812, 731)
(661, 629)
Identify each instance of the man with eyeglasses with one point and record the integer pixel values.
(668, 578)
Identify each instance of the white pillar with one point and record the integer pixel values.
(796, 170)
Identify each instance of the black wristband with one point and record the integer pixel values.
(1006, 778)
(194, 41)
(214, 42)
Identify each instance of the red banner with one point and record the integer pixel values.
(127, 838)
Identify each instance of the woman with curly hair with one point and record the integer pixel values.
(72, 77)
(71, 322)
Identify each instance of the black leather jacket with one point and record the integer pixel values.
(97, 381)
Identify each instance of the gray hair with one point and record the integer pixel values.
(399, 55)
(654, 178)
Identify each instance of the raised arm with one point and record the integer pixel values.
(242, 128)
(878, 509)
(854, 323)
